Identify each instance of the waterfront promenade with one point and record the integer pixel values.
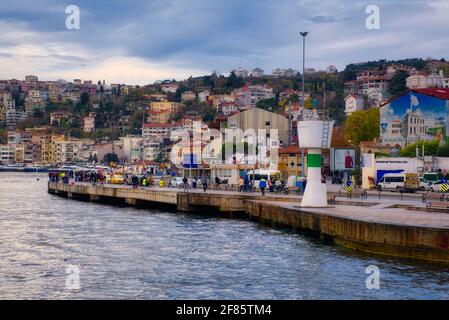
(389, 226)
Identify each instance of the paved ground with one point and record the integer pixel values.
(379, 211)
(374, 214)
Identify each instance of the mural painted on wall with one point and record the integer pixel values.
(413, 117)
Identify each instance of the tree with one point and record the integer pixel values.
(269, 104)
(210, 115)
(234, 82)
(84, 98)
(430, 148)
(362, 126)
(397, 82)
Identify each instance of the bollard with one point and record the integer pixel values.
(379, 194)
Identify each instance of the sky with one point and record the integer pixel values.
(141, 41)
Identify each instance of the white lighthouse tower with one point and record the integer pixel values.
(314, 134)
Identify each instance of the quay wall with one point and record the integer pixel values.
(368, 236)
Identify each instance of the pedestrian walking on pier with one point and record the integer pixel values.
(204, 181)
(241, 184)
(186, 184)
(262, 185)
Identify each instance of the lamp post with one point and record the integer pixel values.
(303, 35)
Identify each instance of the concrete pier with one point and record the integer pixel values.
(389, 227)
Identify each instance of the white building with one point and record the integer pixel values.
(68, 151)
(203, 96)
(89, 123)
(7, 153)
(446, 83)
(354, 103)
(249, 95)
(331, 69)
(240, 72)
(157, 130)
(188, 96)
(420, 81)
(169, 87)
(132, 148)
(257, 72)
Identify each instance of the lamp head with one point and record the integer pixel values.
(304, 33)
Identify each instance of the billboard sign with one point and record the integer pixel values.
(342, 159)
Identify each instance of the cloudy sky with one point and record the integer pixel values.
(140, 41)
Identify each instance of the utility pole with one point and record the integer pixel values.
(324, 94)
(303, 34)
(289, 132)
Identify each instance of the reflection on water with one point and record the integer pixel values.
(142, 254)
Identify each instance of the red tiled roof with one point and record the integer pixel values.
(441, 93)
(157, 125)
(290, 149)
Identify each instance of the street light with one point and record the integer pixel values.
(303, 35)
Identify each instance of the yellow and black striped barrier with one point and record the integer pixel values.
(444, 187)
(349, 191)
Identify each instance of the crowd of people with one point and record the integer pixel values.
(245, 184)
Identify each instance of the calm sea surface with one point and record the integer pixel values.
(127, 253)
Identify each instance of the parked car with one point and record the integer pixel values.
(408, 182)
(177, 182)
(424, 185)
(436, 187)
(117, 179)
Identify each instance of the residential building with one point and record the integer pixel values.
(422, 81)
(89, 123)
(259, 119)
(47, 149)
(67, 151)
(290, 161)
(33, 101)
(240, 72)
(203, 96)
(57, 117)
(7, 153)
(354, 103)
(31, 79)
(249, 95)
(157, 130)
(446, 83)
(188, 96)
(257, 72)
(368, 81)
(169, 106)
(159, 116)
(331, 69)
(170, 87)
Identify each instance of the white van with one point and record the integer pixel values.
(262, 174)
(399, 182)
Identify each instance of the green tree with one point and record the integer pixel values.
(397, 82)
(268, 104)
(84, 99)
(210, 114)
(430, 149)
(362, 126)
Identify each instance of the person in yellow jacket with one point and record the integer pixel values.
(241, 182)
(161, 183)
